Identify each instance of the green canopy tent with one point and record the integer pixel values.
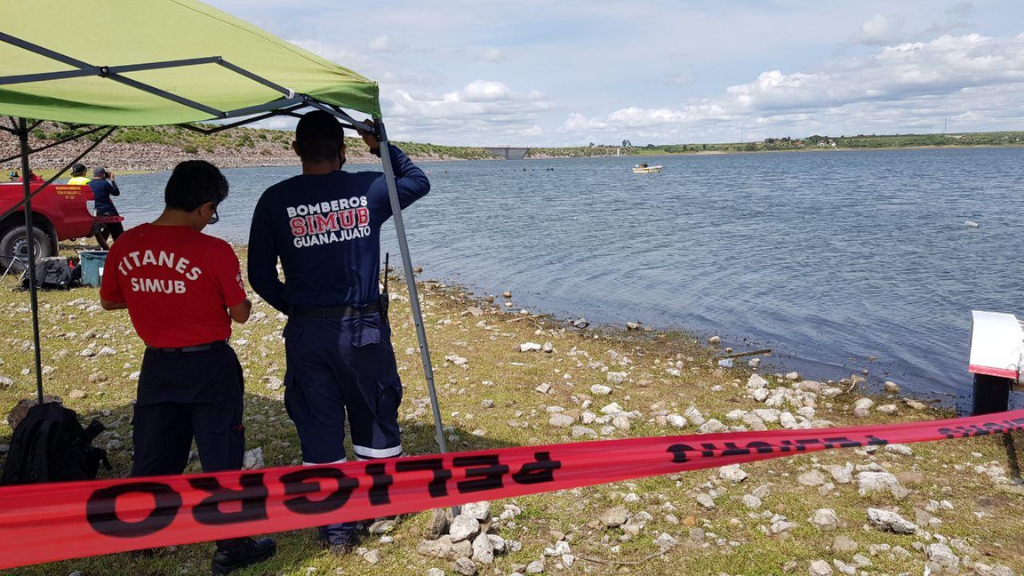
(104, 64)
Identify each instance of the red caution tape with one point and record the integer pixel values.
(44, 523)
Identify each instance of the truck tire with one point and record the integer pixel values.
(13, 244)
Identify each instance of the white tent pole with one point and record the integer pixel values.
(410, 280)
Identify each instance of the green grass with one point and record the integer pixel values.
(491, 351)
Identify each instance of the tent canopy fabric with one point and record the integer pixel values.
(111, 33)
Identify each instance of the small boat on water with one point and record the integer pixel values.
(645, 169)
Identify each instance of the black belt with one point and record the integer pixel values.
(336, 312)
(189, 349)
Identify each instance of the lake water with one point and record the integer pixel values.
(838, 261)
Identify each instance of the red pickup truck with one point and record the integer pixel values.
(59, 212)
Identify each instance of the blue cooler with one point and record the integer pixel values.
(92, 266)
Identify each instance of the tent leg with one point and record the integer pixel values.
(410, 280)
(29, 240)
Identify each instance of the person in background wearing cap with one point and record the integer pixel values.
(103, 187)
(182, 289)
(78, 177)
(324, 226)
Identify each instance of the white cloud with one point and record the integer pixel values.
(492, 55)
(880, 30)
(481, 112)
(896, 88)
(381, 43)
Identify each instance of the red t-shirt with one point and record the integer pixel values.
(178, 284)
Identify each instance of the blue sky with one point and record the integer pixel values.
(544, 73)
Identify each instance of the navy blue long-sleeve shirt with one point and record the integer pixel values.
(102, 190)
(325, 228)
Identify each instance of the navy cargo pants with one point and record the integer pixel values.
(184, 396)
(340, 367)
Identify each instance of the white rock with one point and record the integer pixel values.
(666, 541)
(456, 359)
(479, 510)
(543, 388)
(253, 459)
(755, 382)
(712, 426)
(676, 420)
(705, 500)
(892, 387)
(842, 474)
(901, 449)
(943, 556)
(581, 431)
(483, 549)
(751, 501)
(735, 414)
(535, 567)
(529, 347)
(811, 478)
(862, 407)
(621, 422)
(694, 415)
(825, 519)
(888, 409)
(87, 353)
(463, 528)
(465, 566)
(547, 348)
(600, 390)
(612, 408)
(615, 517)
(868, 482)
(820, 568)
(761, 394)
(616, 377)
(788, 421)
(559, 420)
(106, 351)
(890, 521)
(372, 556)
(733, 473)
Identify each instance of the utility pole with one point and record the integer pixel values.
(944, 125)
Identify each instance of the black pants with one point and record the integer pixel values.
(183, 397)
(113, 229)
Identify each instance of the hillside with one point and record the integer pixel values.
(149, 149)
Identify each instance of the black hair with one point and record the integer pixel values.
(78, 169)
(318, 137)
(194, 183)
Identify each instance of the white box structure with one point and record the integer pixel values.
(997, 345)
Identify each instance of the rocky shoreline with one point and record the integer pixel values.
(506, 377)
(149, 157)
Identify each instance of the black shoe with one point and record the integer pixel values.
(238, 553)
(340, 539)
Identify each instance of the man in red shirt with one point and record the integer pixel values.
(182, 289)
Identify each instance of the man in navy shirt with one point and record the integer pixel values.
(324, 226)
(103, 187)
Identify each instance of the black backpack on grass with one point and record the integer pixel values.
(50, 445)
(54, 273)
